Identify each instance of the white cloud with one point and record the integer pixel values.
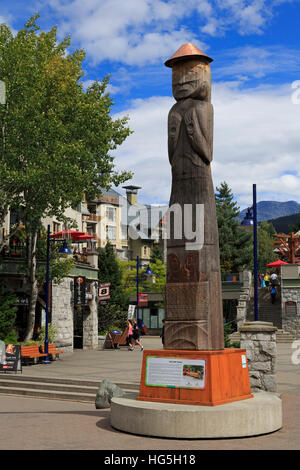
(256, 140)
(257, 62)
(139, 32)
(135, 32)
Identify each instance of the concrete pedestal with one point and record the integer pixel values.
(261, 414)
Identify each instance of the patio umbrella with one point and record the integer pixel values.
(83, 238)
(67, 234)
(275, 264)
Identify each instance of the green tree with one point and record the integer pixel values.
(265, 246)
(114, 312)
(295, 227)
(234, 242)
(156, 254)
(157, 282)
(8, 312)
(56, 138)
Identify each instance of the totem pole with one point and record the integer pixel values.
(193, 296)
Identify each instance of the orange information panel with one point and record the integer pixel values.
(195, 377)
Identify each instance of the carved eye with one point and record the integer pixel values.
(190, 127)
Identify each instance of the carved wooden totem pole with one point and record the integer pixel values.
(194, 318)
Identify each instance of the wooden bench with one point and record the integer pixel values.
(31, 352)
(52, 351)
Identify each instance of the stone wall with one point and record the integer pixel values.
(242, 307)
(62, 313)
(62, 316)
(259, 340)
(290, 308)
(90, 322)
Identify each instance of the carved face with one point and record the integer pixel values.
(174, 262)
(191, 79)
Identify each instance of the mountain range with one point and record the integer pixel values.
(268, 210)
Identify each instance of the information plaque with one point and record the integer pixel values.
(175, 372)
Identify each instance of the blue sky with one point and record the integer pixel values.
(256, 50)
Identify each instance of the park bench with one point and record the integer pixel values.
(115, 340)
(31, 352)
(52, 351)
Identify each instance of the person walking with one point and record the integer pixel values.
(267, 280)
(136, 334)
(273, 292)
(130, 335)
(261, 278)
(274, 278)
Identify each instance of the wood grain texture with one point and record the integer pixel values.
(190, 147)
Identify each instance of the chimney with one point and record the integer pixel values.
(131, 193)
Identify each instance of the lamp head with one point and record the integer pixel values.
(65, 250)
(148, 271)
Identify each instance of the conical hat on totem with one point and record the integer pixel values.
(186, 51)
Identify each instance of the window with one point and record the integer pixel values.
(56, 227)
(110, 232)
(111, 213)
(124, 232)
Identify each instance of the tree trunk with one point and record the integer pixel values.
(33, 284)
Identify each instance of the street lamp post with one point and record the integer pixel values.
(147, 272)
(65, 250)
(251, 219)
(255, 253)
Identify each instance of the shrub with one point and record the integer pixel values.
(52, 333)
(8, 312)
(11, 337)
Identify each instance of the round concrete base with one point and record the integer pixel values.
(258, 415)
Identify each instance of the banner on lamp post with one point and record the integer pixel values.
(143, 300)
(103, 291)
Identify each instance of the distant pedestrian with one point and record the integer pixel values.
(261, 278)
(136, 334)
(267, 280)
(274, 279)
(273, 292)
(130, 335)
(162, 335)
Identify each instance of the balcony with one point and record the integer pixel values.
(91, 218)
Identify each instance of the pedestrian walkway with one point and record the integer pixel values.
(31, 423)
(117, 365)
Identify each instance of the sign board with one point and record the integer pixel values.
(79, 290)
(175, 372)
(11, 359)
(143, 300)
(131, 312)
(22, 300)
(103, 292)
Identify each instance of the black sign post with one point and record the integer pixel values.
(12, 361)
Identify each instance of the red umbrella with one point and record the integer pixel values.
(83, 238)
(67, 234)
(275, 264)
